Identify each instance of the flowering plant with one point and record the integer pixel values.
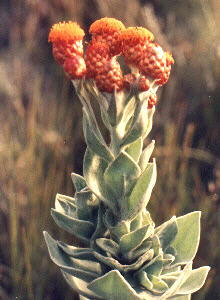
(125, 256)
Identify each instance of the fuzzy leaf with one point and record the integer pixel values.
(145, 156)
(143, 248)
(154, 267)
(143, 279)
(108, 246)
(64, 262)
(195, 281)
(169, 279)
(115, 264)
(119, 230)
(122, 169)
(171, 270)
(81, 229)
(156, 245)
(141, 192)
(182, 278)
(78, 181)
(85, 199)
(134, 239)
(80, 286)
(150, 113)
(93, 168)
(76, 251)
(93, 142)
(159, 286)
(168, 259)
(113, 286)
(135, 149)
(136, 223)
(146, 218)
(139, 124)
(187, 239)
(100, 227)
(85, 91)
(65, 204)
(167, 233)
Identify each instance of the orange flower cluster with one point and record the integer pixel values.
(106, 70)
(66, 38)
(147, 60)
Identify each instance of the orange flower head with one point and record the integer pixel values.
(111, 78)
(75, 67)
(106, 25)
(66, 38)
(65, 32)
(134, 35)
(134, 42)
(107, 30)
(156, 63)
(97, 56)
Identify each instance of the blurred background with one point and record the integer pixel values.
(41, 138)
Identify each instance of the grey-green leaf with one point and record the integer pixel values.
(141, 192)
(93, 142)
(159, 286)
(93, 168)
(80, 286)
(108, 245)
(64, 262)
(135, 149)
(139, 124)
(144, 280)
(167, 233)
(154, 267)
(187, 239)
(65, 205)
(145, 156)
(134, 239)
(182, 278)
(78, 181)
(115, 264)
(81, 229)
(113, 286)
(122, 169)
(195, 281)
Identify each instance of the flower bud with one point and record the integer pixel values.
(156, 63)
(107, 30)
(97, 56)
(66, 38)
(111, 78)
(134, 42)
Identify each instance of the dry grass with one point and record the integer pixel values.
(41, 138)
